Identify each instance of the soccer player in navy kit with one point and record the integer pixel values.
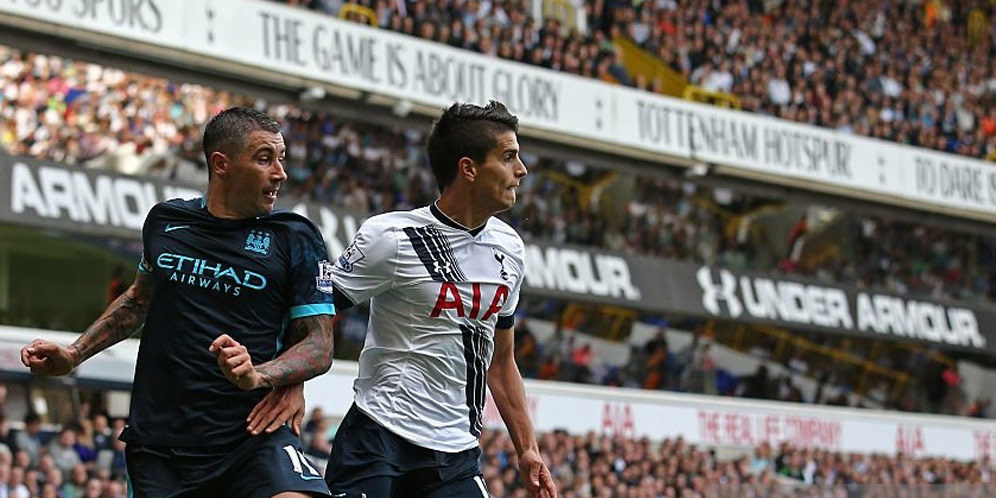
(220, 276)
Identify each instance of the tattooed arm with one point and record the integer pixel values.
(284, 404)
(117, 323)
(310, 357)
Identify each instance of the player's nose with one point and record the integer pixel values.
(520, 169)
(278, 173)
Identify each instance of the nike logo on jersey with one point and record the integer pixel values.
(170, 228)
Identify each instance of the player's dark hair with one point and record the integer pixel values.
(466, 130)
(228, 132)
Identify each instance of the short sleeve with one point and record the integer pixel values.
(506, 315)
(367, 267)
(311, 286)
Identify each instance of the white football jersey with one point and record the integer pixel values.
(437, 293)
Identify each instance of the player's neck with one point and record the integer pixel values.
(462, 211)
(219, 206)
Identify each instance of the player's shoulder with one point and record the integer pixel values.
(390, 221)
(178, 203)
(504, 235)
(177, 206)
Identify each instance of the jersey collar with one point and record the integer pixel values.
(204, 207)
(446, 220)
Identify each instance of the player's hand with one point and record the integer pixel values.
(48, 358)
(539, 482)
(235, 363)
(284, 404)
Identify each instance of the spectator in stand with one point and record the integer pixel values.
(75, 484)
(101, 432)
(16, 485)
(581, 358)
(527, 352)
(980, 408)
(795, 243)
(28, 440)
(758, 386)
(94, 488)
(117, 285)
(63, 452)
(550, 368)
(658, 364)
(84, 447)
(7, 445)
(117, 466)
(316, 418)
(319, 445)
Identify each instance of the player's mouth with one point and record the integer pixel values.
(270, 194)
(513, 187)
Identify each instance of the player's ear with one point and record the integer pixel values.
(467, 169)
(218, 163)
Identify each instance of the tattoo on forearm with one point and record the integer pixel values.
(119, 321)
(296, 332)
(309, 357)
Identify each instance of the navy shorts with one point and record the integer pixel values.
(370, 461)
(260, 467)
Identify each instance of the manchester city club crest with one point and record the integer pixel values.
(259, 242)
(324, 280)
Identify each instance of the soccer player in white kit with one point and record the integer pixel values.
(443, 283)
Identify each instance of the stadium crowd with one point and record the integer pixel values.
(568, 356)
(921, 73)
(595, 465)
(622, 466)
(75, 112)
(83, 459)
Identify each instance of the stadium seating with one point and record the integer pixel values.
(919, 73)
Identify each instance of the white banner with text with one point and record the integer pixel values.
(715, 421)
(579, 409)
(317, 47)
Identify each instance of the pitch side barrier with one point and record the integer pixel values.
(579, 409)
(284, 47)
(47, 195)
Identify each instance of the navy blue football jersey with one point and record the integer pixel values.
(245, 278)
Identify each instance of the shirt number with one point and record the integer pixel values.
(299, 462)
